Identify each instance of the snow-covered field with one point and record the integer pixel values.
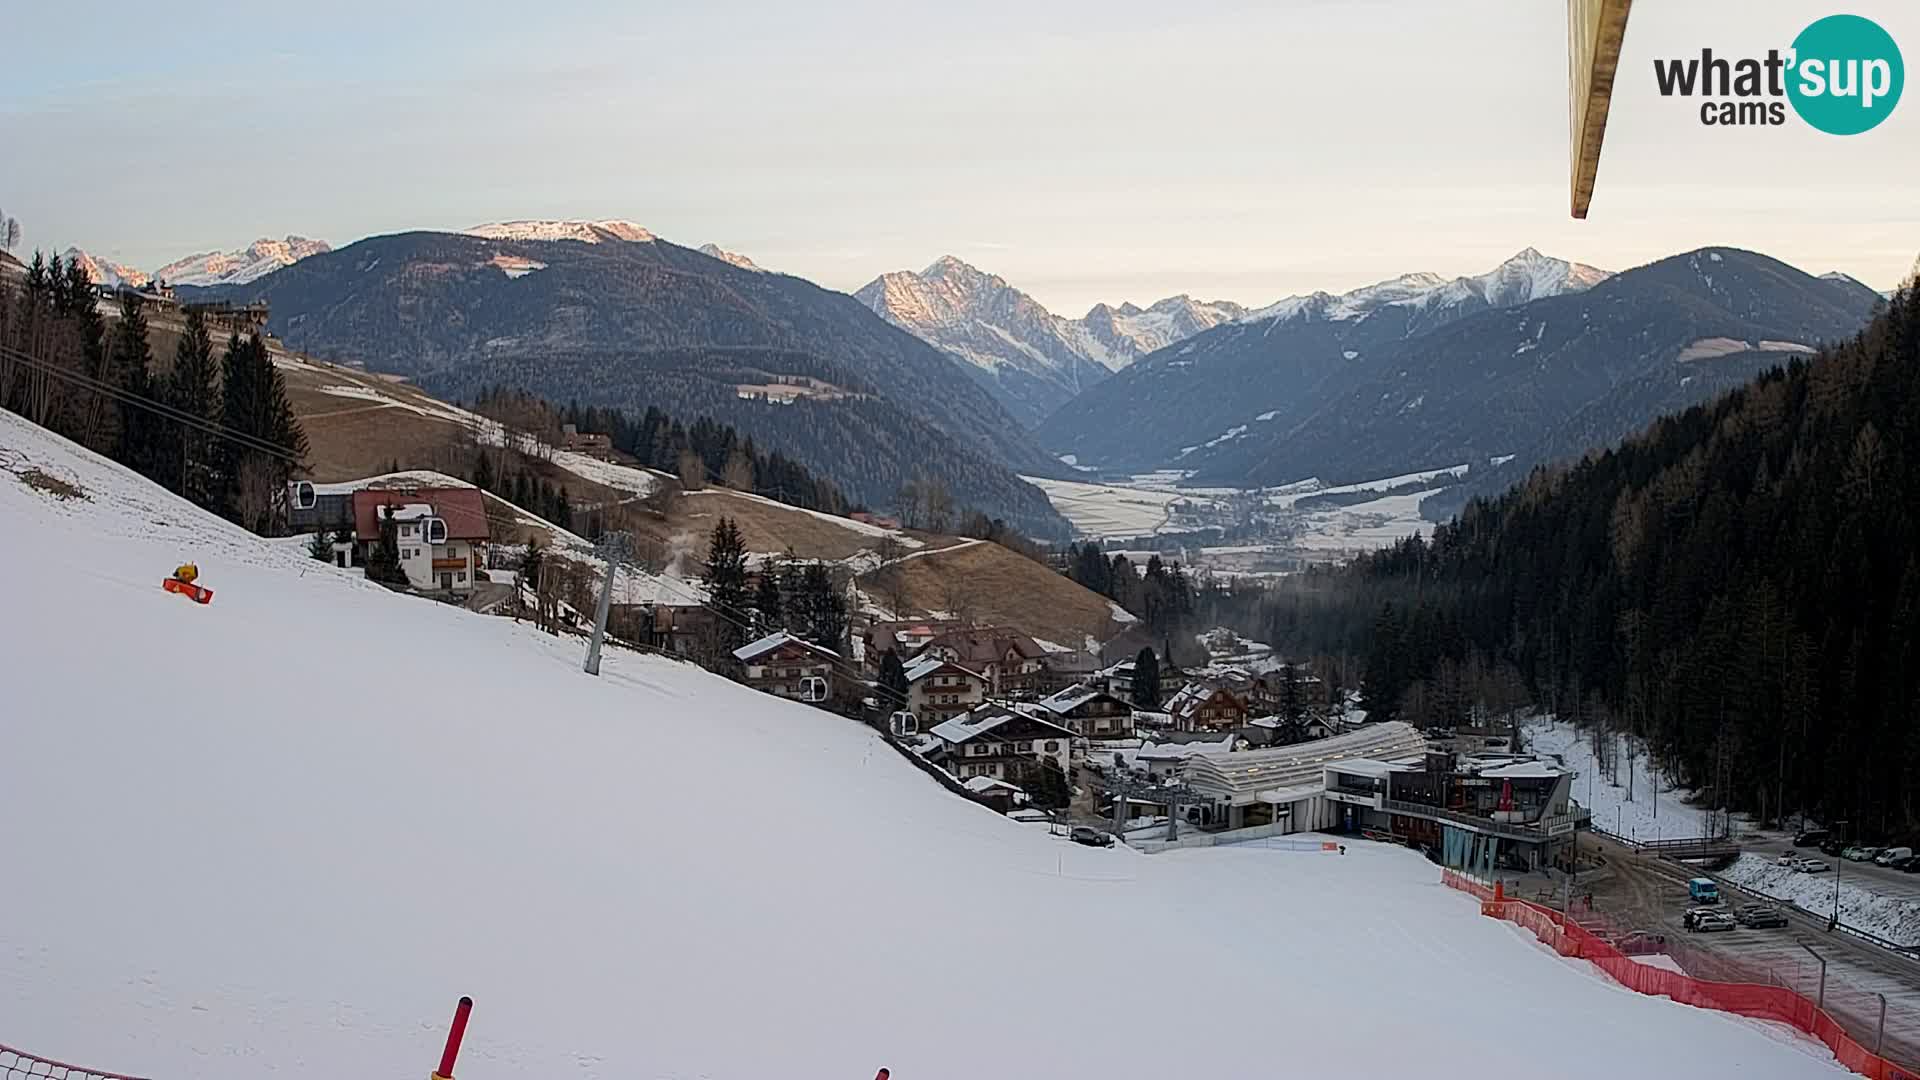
(1892, 917)
(1636, 819)
(1147, 506)
(282, 833)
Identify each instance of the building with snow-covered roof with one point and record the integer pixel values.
(1002, 743)
(1207, 705)
(441, 533)
(1287, 785)
(1090, 712)
(787, 666)
(939, 690)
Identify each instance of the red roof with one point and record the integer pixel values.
(463, 509)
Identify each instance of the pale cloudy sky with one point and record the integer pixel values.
(1085, 151)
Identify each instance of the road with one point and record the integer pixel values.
(1637, 892)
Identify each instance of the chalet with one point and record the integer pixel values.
(938, 691)
(1011, 661)
(1001, 743)
(1063, 669)
(997, 794)
(581, 442)
(906, 637)
(1204, 705)
(789, 667)
(1117, 679)
(1090, 712)
(442, 533)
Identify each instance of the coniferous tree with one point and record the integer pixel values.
(826, 608)
(321, 546)
(726, 581)
(1146, 680)
(190, 466)
(141, 429)
(893, 680)
(383, 562)
(767, 608)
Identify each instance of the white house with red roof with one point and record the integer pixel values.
(441, 533)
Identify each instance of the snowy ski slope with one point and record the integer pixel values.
(281, 834)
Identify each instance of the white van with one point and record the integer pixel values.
(1885, 858)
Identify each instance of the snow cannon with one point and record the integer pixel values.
(183, 581)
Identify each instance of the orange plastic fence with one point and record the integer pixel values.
(1778, 1003)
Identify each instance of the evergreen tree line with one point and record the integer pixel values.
(801, 599)
(700, 453)
(1739, 585)
(1164, 596)
(52, 321)
(510, 475)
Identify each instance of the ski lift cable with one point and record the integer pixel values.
(122, 394)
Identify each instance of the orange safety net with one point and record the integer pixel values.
(1778, 1003)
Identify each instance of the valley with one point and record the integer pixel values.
(1248, 532)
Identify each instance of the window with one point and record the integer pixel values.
(1053, 746)
(459, 575)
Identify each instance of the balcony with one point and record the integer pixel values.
(1531, 832)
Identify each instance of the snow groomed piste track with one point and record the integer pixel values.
(370, 805)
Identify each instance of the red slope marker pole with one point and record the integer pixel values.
(454, 1035)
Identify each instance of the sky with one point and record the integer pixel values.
(1086, 152)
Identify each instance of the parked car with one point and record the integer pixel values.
(1703, 891)
(1707, 921)
(1639, 942)
(1913, 866)
(1810, 838)
(1813, 866)
(1789, 860)
(1902, 862)
(1832, 847)
(1762, 917)
(1888, 855)
(1859, 854)
(1083, 834)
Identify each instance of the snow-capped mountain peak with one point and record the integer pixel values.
(1038, 359)
(1528, 275)
(587, 232)
(256, 260)
(715, 251)
(106, 272)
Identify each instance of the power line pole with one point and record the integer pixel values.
(615, 547)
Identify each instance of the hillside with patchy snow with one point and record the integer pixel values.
(283, 832)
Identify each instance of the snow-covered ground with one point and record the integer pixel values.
(1892, 917)
(283, 832)
(1637, 819)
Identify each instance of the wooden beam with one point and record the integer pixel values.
(1595, 30)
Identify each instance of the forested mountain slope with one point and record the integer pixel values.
(1739, 584)
(633, 323)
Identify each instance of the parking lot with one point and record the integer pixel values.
(1636, 892)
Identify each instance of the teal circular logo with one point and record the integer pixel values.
(1846, 75)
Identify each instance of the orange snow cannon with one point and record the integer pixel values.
(183, 582)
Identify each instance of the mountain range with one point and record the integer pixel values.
(1219, 384)
(256, 260)
(606, 313)
(1033, 360)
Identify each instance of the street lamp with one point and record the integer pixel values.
(1833, 917)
